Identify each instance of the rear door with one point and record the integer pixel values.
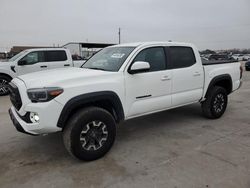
(57, 59)
(188, 75)
(35, 61)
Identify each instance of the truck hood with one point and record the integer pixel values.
(5, 63)
(59, 77)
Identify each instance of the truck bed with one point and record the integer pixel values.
(213, 69)
(215, 62)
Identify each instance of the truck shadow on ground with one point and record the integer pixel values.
(167, 120)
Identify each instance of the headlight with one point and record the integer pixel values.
(44, 94)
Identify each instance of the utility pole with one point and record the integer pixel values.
(119, 33)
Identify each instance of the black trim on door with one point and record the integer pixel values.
(167, 55)
(145, 96)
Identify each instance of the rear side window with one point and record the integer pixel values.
(154, 56)
(57, 55)
(181, 57)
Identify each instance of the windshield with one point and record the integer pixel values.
(109, 59)
(17, 56)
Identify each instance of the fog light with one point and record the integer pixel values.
(34, 117)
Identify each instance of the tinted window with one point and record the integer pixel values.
(154, 56)
(58, 55)
(33, 57)
(181, 57)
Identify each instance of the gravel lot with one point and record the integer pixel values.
(174, 149)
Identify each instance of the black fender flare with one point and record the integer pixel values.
(89, 98)
(6, 75)
(223, 77)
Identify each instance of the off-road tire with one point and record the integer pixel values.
(209, 107)
(4, 80)
(77, 123)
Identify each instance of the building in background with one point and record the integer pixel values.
(77, 49)
(85, 50)
(3, 55)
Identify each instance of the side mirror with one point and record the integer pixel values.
(22, 62)
(139, 67)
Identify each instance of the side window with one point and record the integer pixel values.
(57, 55)
(181, 57)
(33, 57)
(154, 56)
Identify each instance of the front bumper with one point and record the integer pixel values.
(48, 114)
(18, 123)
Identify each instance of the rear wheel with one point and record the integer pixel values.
(90, 133)
(4, 82)
(216, 103)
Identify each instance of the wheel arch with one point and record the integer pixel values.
(6, 75)
(224, 81)
(105, 99)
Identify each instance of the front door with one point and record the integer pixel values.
(149, 91)
(35, 61)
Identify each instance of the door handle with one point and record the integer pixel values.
(165, 78)
(44, 66)
(66, 65)
(197, 74)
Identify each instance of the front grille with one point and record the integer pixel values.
(15, 97)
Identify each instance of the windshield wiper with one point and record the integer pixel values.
(95, 68)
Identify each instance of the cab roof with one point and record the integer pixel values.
(44, 49)
(141, 44)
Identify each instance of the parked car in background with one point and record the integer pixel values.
(241, 57)
(33, 60)
(219, 57)
(246, 57)
(76, 57)
(238, 57)
(118, 83)
(247, 65)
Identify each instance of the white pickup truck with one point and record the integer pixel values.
(118, 83)
(33, 60)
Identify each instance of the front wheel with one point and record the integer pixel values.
(4, 82)
(90, 133)
(216, 103)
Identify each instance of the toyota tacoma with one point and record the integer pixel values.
(118, 83)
